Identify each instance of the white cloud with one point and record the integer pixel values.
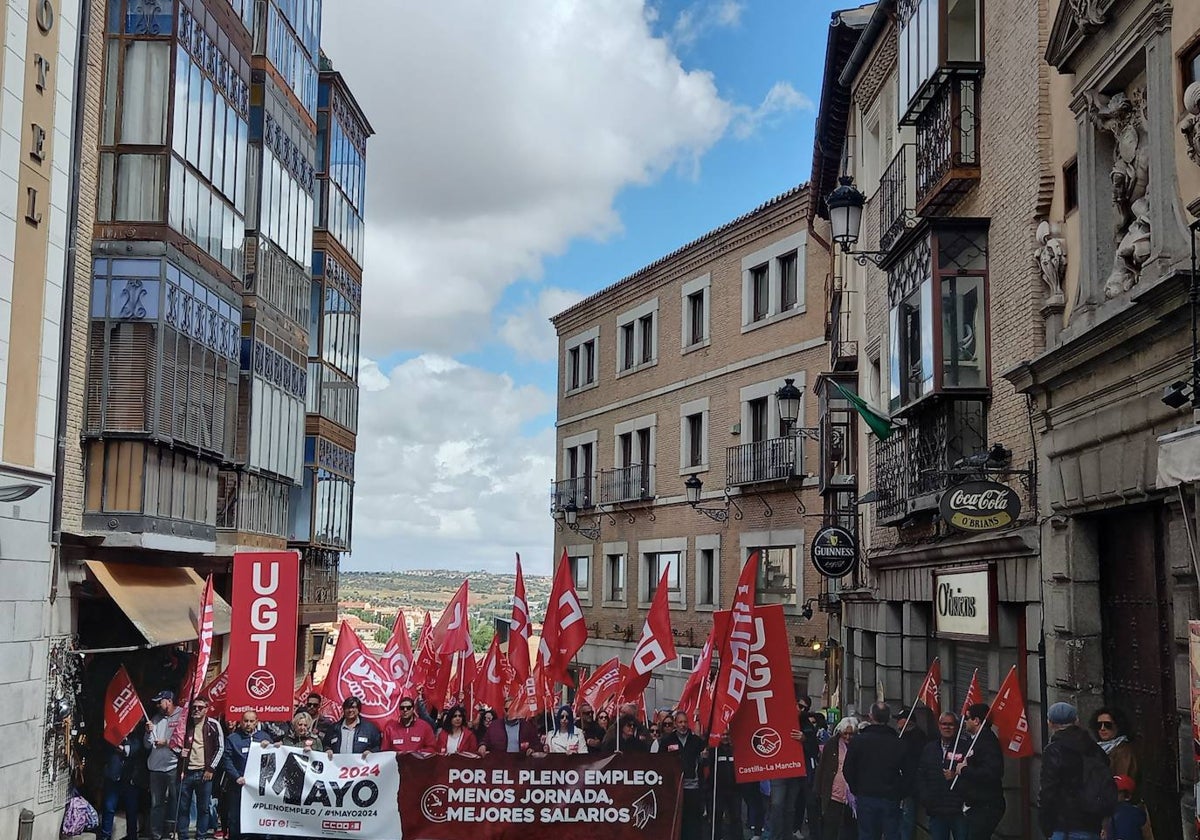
(781, 99)
(701, 18)
(504, 130)
(448, 472)
(528, 330)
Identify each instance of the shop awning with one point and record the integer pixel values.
(161, 601)
(1179, 458)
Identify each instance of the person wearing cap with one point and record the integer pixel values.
(203, 747)
(981, 775)
(163, 764)
(353, 734)
(1129, 819)
(1063, 772)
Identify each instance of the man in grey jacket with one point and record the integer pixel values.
(163, 764)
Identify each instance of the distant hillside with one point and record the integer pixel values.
(431, 589)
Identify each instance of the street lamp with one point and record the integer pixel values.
(692, 486)
(570, 513)
(845, 205)
(788, 397)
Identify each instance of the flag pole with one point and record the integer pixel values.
(920, 692)
(986, 718)
(962, 720)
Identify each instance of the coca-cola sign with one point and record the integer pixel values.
(980, 506)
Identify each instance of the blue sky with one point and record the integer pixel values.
(503, 186)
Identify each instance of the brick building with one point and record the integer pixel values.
(922, 106)
(670, 375)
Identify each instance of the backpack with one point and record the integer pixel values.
(1097, 794)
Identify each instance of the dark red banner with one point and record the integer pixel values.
(761, 731)
(123, 710)
(262, 636)
(610, 797)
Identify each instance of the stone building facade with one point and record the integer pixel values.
(671, 374)
(922, 112)
(1109, 388)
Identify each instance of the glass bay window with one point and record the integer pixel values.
(935, 36)
(938, 320)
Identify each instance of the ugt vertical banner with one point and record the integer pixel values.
(761, 729)
(262, 646)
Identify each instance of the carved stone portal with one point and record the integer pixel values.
(1088, 14)
(1124, 117)
(1051, 260)
(1190, 124)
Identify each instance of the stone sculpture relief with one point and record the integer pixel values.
(1190, 124)
(1124, 117)
(1051, 259)
(1088, 14)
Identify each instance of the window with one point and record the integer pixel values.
(577, 486)
(646, 338)
(614, 565)
(1071, 186)
(761, 292)
(580, 359)
(787, 282)
(706, 578)
(589, 362)
(695, 439)
(776, 582)
(939, 342)
(580, 572)
(759, 420)
(627, 345)
(573, 368)
(1191, 65)
(695, 318)
(655, 563)
(929, 41)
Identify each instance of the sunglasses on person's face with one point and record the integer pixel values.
(1106, 724)
(653, 729)
(406, 708)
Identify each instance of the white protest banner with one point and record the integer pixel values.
(291, 792)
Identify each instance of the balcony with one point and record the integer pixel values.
(898, 197)
(571, 490)
(626, 484)
(318, 586)
(843, 351)
(911, 466)
(776, 459)
(947, 164)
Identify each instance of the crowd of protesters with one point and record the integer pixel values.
(863, 780)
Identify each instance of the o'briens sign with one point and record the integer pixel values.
(963, 604)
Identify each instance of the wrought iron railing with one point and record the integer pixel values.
(577, 490)
(776, 459)
(319, 582)
(898, 197)
(843, 352)
(626, 484)
(911, 466)
(948, 142)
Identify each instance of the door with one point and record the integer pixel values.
(1137, 648)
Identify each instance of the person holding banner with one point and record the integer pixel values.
(510, 734)
(236, 751)
(567, 738)
(301, 734)
(354, 734)
(981, 776)
(409, 733)
(454, 737)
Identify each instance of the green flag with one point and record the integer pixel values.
(880, 423)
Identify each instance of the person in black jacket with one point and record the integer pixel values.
(916, 727)
(692, 753)
(981, 776)
(121, 765)
(354, 733)
(875, 771)
(1063, 760)
(934, 774)
(727, 814)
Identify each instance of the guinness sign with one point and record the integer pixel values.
(834, 551)
(980, 506)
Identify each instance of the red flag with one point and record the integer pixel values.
(305, 689)
(204, 632)
(123, 709)
(735, 653)
(425, 659)
(518, 634)
(689, 698)
(931, 689)
(437, 684)
(598, 689)
(657, 645)
(397, 654)
(452, 633)
(354, 672)
(462, 686)
(974, 695)
(563, 629)
(1008, 715)
(490, 679)
(216, 693)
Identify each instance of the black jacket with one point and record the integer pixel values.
(688, 754)
(1062, 774)
(913, 740)
(932, 788)
(876, 763)
(982, 778)
(366, 737)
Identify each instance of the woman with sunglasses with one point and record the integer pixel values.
(1108, 725)
(454, 737)
(567, 738)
